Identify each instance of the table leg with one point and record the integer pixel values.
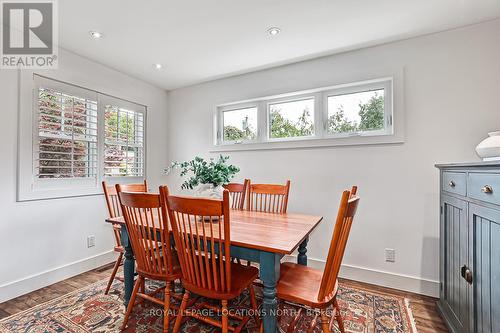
(128, 266)
(269, 275)
(302, 257)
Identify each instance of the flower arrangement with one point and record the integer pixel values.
(214, 172)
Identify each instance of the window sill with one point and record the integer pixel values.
(311, 143)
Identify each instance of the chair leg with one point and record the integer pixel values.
(225, 322)
(338, 316)
(182, 308)
(166, 309)
(325, 323)
(255, 308)
(113, 274)
(131, 302)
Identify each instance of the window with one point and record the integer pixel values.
(290, 119)
(356, 112)
(239, 124)
(124, 142)
(317, 117)
(79, 138)
(67, 135)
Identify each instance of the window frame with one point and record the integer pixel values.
(393, 118)
(220, 123)
(291, 99)
(29, 185)
(387, 85)
(120, 103)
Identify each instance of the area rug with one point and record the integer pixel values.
(89, 310)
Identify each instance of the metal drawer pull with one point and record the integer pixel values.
(451, 183)
(487, 189)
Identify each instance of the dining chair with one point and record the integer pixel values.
(147, 225)
(201, 229)
(238, 193)
(114, 210)
(314, 288)
(270, 198)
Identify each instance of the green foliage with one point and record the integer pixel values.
(232, 133)
(371, 114)
(284, 128)
(338, 122)
(215, 172)
(124, 125)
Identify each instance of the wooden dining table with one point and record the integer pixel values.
(255, 236)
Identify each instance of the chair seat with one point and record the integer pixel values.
(300, 284)
(241, 278)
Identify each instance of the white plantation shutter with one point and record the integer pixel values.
(123, 138)
(76, 138)
(67, 138)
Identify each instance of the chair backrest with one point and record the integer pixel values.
(202, 239)
(347, 210)
(147, 226)
(269, 198)
(237, 193)
(112, 201)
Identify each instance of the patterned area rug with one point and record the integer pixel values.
(89, 310)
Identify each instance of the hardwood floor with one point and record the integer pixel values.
(423, 307)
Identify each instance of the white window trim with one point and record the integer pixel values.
(29, 187)
(394, 102)
(219, 126)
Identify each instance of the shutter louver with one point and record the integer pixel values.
(67, 136)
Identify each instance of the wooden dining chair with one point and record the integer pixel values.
(238, 193)
(114, 210)
(147, 225)
(201, 229)
(269, 198)
(318, 289)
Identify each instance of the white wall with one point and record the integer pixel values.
(451, 88)
(44, 241)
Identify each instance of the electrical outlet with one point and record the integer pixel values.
(390, 255)
(91, 241)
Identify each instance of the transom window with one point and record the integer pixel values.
(291, 119)
(356, 112)
(239, 124)
(356, 109)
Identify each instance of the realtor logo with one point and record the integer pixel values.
(29, 34)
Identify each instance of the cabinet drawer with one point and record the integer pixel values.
(484, 187)
(454, 182)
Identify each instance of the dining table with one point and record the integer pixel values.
(259, 237)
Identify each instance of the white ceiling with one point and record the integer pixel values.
(205, 39)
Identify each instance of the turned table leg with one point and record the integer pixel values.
(269, 275)
(128, 266)
(302, 257)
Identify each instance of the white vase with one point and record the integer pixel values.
(489, 148)
(209, 191)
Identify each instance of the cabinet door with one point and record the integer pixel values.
(485, 255)
(454, 256)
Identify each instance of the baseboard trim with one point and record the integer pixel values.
(34, 282)
(381, 278)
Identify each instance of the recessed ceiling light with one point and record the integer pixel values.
(273, 31)
(158, 66)
(96, 34)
